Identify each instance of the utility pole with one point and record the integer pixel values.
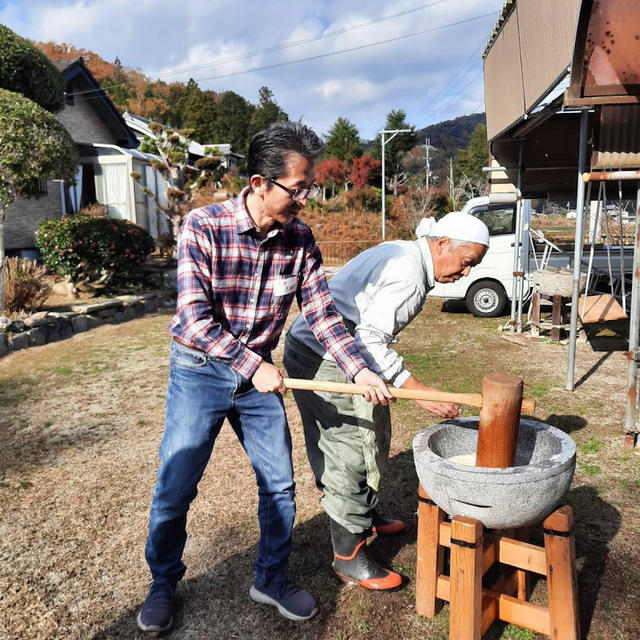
(395, 132)
(427, 147)
(451, 178)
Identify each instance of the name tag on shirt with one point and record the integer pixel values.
(285, 285)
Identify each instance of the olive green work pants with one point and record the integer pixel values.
(347, 440)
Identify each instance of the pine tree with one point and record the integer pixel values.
(343, 141)
(267, 112)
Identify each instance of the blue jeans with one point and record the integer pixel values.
(203, 392)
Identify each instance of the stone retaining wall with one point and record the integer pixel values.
(48, 326)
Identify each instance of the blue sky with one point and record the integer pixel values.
(322, 59)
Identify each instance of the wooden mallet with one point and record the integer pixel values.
(528, 405)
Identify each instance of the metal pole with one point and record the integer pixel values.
(395, 132)
(577, 258)
(384, 185)
(428, 146)
(634, 333)
(451, 181)
(516, 314)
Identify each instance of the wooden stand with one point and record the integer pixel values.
(473, 551)
(558, 323)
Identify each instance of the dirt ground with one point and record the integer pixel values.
(80, 424)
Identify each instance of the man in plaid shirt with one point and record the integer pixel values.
(241, 263)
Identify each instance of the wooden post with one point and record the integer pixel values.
(499, 420)
(556, 319)
(522, 577)
(535, 315)
(465, 620)
(430, 556)
(560, 551)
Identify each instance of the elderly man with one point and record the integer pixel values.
(378, 294)
(241, 263)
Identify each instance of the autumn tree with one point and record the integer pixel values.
(343, 141)
(182, 182)
(415, 167)
(395, 149)
(408, 209)
(329, 173)
(364, 170)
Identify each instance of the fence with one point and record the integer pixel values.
(335, 254)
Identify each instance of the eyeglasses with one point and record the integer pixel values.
(297, 194)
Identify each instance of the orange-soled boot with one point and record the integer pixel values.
(352, 563)
(386, 526)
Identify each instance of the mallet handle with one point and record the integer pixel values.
(469, 399)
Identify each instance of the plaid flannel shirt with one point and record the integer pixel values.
(235, 288)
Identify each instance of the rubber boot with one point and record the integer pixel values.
(352, 563)
(386, 526)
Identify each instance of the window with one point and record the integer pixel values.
(499, 218)
(38, 188)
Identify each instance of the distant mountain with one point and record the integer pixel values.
(447, 137)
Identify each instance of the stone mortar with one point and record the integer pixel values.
(517, 496)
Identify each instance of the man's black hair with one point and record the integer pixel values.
(270, 148)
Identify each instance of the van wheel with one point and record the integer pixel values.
(486, 299)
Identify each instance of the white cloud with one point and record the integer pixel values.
(347, 92)
(161, 36)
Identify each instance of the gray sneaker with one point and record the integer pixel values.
(291, 601)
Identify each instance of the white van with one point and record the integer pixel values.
(487, 288)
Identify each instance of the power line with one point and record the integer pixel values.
(450, 82)
(358, 48)
(280, 47)
(335, 53)
(304, 41)
(447, 102)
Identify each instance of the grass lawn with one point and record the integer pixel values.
(80, 424)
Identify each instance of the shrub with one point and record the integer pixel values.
(88, 249)
(26, 288)
(313, 205)
(25, 69)
(364, 199)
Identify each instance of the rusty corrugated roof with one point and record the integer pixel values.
(617, 139)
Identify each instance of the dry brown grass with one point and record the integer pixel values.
(80, 424)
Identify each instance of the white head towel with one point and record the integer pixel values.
(425, 225)
(456, 226)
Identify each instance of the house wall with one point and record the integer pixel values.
(530, 52)
(24, 216)
(504, 97)
(83, 122)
